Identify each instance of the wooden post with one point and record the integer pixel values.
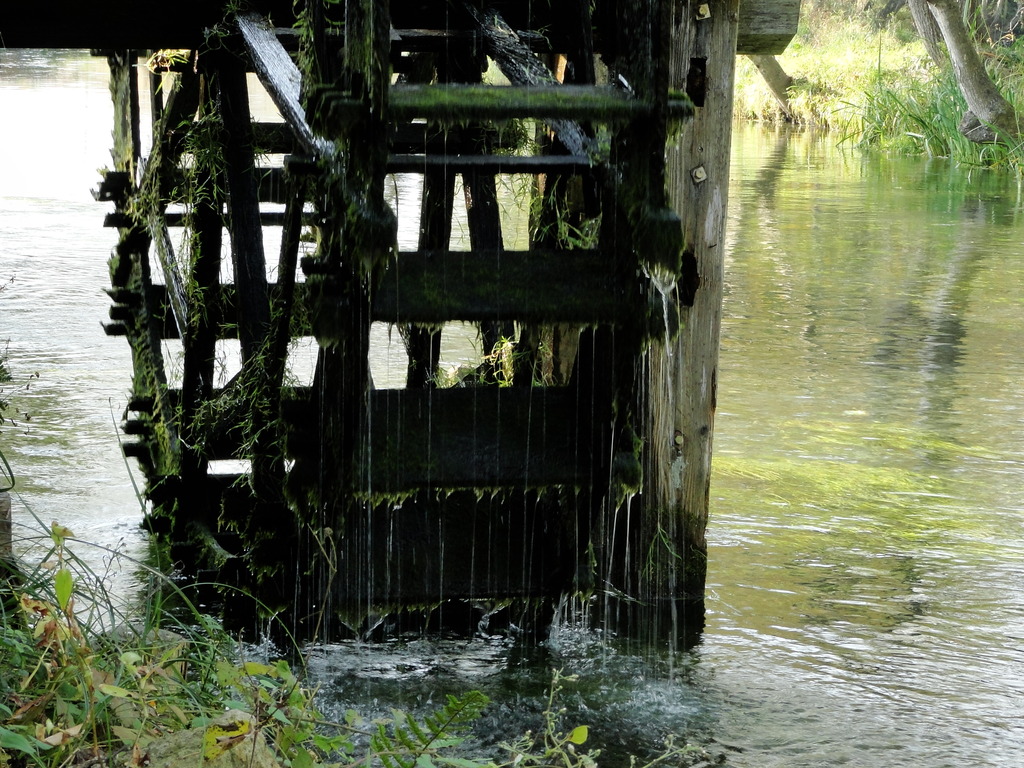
(358, 233)
(682, 371)
(6, 548)
(243, 207)
(10, 574)
(125, 95)
(423, 342)
(200, 337)
(776, 79)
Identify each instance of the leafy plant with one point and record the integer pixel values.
(559, 747)
(404, 742)
(877, 88)
(82, 679)
(83, 676)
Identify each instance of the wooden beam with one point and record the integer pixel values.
(681, 367)
(508, 164)
(474, 437)
(574, 286)
(518, 63)
(540, 286)
(244, 226)
(280, 77)
(765, 26)
(455, 104)
(174, 288)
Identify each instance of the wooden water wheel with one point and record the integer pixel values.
(341, 496)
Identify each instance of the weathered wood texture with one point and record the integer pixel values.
(433, 286)
(517, 542)
(457, 104)
(562, 443)
(281, 77)
(474, 437)
(130, 275)
(6, 548)
(682, 375)
(765, 26)
(521, 67)
(248, 258)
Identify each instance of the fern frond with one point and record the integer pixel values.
(410, 743)
(458, 714)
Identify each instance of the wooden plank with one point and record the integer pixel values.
(475, 286)
(279, 75)
(509, 164)
(247, 253)
(267, 219)
(221, 307)
(431, 40)
(474, 437)
(455, 104)
(419, 138)
(541, 286)
(766, 26)
(457, 546)
(174, 288)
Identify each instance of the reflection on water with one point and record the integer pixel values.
(868, 530)
(867, 537)
(69, 388)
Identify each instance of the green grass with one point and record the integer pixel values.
(877, 89)
(834, 61)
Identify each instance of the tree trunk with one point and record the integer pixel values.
(777, 80)
(887, 10)
(995, 118)
(929, 31)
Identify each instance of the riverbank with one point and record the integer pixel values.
(874, 86)
(88, 676)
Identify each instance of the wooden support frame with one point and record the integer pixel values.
(587, 425)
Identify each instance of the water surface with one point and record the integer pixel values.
(868, 526)
(867, 538)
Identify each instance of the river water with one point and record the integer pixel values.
(866, 585)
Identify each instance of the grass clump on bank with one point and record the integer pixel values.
(834, 60)
(874, 86)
